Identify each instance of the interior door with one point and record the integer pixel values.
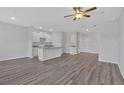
(73, 43)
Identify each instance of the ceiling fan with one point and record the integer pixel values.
(79, 13)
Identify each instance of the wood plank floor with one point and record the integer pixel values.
(81, 69)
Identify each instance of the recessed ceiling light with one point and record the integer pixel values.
(12, 18)
(87, 29)
(40, 27)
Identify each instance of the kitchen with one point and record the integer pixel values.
(46, 45)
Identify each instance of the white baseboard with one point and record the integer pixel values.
(4, 59)
(108, 61)
(121, 70)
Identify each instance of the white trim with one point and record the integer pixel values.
(121, 70)
(14, 58)
(107, 61)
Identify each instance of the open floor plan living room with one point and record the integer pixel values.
(61, 46)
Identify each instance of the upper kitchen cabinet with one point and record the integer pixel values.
(57, 39)
(42, 36)
(52, 37)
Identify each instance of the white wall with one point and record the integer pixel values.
(108, 35)
(121, 56)
(14, 41)
(88, 42)
(30, 40)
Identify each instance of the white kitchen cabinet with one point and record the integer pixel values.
(57, 39)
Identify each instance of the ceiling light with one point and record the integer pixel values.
(87, 30)
(12, 18)
(78, 15)
(40, 27)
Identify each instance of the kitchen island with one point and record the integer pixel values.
(46, 53)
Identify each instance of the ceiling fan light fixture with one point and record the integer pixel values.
(79, 15)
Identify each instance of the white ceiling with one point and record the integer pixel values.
(53, 18)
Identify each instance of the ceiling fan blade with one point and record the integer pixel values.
(76, 8)
(87, 15)
(74, 19)
(88, 10)
(69, 15)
